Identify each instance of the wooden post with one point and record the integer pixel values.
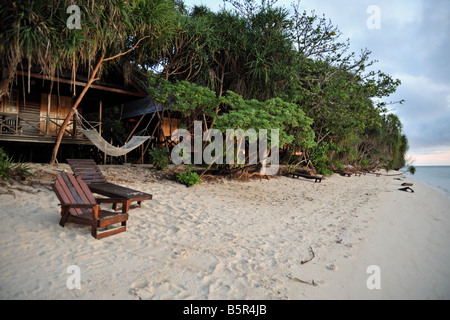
(74, 121)
(49, 100)
(100, 118)
(100, 110)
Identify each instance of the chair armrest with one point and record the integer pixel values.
(108, 200)
(78, 205)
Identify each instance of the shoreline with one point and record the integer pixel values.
(443, 192)
(409, 242)
(230, 240)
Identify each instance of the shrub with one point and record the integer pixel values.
(319, 157)
(364, 163)
(159, 157)
(8, 168)
(189, 178)
(22, 170)
(6, 165)
(388, 165)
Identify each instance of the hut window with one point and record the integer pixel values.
(10, 104)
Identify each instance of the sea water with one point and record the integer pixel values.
(437, 177)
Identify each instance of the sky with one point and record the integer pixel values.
(410, 39)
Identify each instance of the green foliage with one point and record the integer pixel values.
(185, 97)
(111, 125)
(6, 165)
(412, 170)
(189, 178)
(37, 32)
(272, 68)
(271, 114)
(320, 159)
(10, 169)
(23, 170)
(338, 165)
(159, 157)
(256, 66)
(364, 162)
(388, 165)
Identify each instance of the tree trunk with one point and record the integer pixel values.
(77, 103)
(72, 112)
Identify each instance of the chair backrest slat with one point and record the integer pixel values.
(61, 193)
(69, 191)
(87, 169)
(81, 194)
(85, 189)
(68, 194)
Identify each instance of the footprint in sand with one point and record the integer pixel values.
(174, 229)
(139, 289)
(332, 267)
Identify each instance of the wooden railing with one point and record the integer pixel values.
(46, 126)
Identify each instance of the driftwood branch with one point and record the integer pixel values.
(311, 283)
(313, 256)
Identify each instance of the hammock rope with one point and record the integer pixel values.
(93, 135)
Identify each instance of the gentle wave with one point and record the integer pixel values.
(437, 177)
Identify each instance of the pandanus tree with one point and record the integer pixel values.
(41, 34)
(260, 51)
(247, 54)
(255, 50)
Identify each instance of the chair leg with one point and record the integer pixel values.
(126, 206)
(94, 231)
(64, 217)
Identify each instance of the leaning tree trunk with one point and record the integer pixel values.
(72, 112)
(77, 103)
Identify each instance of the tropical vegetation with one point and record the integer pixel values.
(252, 65)
(9, 168)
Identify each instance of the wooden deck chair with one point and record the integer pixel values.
(88, 170)
(344, 173)
(78, 205)
(307, 176)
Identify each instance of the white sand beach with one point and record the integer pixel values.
(232, 240)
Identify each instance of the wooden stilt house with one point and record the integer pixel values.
(32, 114)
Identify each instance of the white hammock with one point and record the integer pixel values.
(93, 135)
(109, 149)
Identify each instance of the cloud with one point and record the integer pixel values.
(412, 44)
(435, 40)
(430, 157)
(426, 112)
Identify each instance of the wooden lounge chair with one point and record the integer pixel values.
(371, 172)
(344, 173)
(304, 175)
(78, 205)
(87, 169)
